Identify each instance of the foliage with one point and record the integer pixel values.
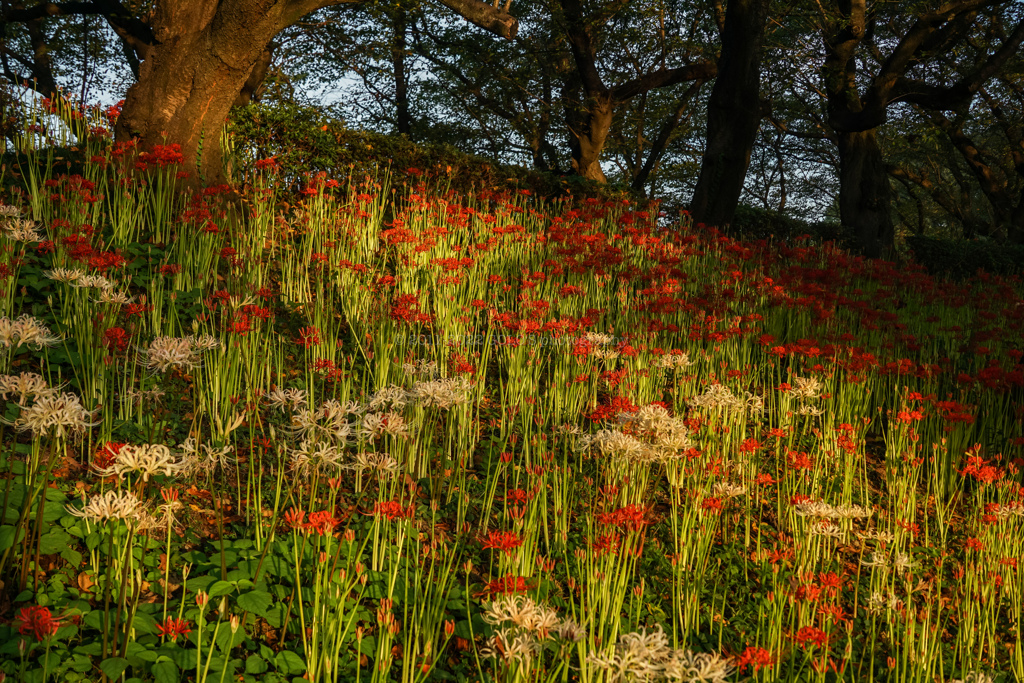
(306, 140)
(962, 259)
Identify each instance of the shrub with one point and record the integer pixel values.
(961, 259)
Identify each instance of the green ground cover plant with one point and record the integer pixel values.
(387, 432)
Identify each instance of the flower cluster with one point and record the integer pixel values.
(25, 331)
(647, 656)
(146, 460)
(165, 353)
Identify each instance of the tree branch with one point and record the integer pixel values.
(662, 78)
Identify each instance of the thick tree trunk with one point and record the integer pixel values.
(864, 192)
(191, 77)
(734, 114)
(589, 139)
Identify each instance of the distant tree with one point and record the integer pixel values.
(881, 54)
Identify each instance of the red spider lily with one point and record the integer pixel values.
(241, 325)
(308, 336)
(295, 517)
(909, 417)
(392, 510)
(757, 657)
(105, 260)
(106, 454)
(322, 522)
(810, 636)
(831, 582)
(136, 310)
(505, 541)
(605, 543)
(163, 155)
(750, 445)
(808, 592)
(517, 497)
(269, 164)
(116, 339)
(173, 628)
(713, 505)
(981, 470)
(628, 518)
(38, 621)
(974, 544)
(506, 585)
(799, 460)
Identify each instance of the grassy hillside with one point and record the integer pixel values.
(370, 427)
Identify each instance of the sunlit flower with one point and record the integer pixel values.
(145, 459)
(322, 457)
(184, 353)
(693, 667)
(109, 296)
(97, 281)
(55, 415)
(379, 463)
(24, 386)
(22, 230)
(291, 399)
(203, 458)
(172, 628)
(65, 275)
(25, 331)
(119, 505)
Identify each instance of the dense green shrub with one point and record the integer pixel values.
(755, 223)
(960, 259)
(307, 140)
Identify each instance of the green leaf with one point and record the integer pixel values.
(220, 588)
(113, 667)
(275, 615)
(199, 583)
(256, 602)
(7, 540)
(54, 541)
(166, 672)
(73, 557)
(144, 623)
(254, 664)
(287, 662)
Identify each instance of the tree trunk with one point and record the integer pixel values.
(254, 85)
(734, 114)
(403, 121)
(191, 77)
(864, 192)
(587, 141)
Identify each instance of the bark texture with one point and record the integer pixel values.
(865, 197)
(734, 114)
(197, 56)
(188, 80)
